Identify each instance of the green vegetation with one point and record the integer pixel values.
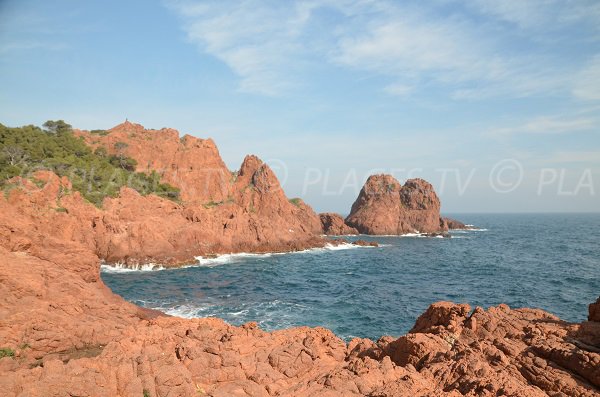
(296, 201)
(212, 203)
(146, 393)
(6, 352)
(95, 175)
(99, 132)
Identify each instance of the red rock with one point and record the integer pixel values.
(191, 164)
(72, 336)
(594, 311)
(134, 229)
(384, 207)
(333, 224)
(453, 224)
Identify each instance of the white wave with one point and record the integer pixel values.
(342, 246)
(183, 311)
(275, 310)
(122, 268)
(241, 256)
(415, 234)
(228, 258)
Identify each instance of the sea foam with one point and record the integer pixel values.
(122, 268)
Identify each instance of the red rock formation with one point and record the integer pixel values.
(453, 224)
(71, 336)
(334, 225)
(191, 164)
(386, 207)
(135, 229)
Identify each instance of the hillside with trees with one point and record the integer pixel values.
(95, 174)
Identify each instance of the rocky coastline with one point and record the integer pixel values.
(64, 333)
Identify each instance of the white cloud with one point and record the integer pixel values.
(585, 156)
(547, 125)
(259, 41)
(587, 85)
(540, 15)
(398, 89)
(270, 45)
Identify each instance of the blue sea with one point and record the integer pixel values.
(548, 261)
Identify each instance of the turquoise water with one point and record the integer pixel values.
(548, 261)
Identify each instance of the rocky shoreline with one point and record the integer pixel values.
(69, 335)
(64, 333)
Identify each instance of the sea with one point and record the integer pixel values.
(547, 261)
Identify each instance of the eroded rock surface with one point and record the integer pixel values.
(385, 207)
(453, 224)
(192, 164)
(64, 333)
(135, 229)
(333, 224)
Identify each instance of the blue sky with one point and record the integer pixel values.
(497, 103)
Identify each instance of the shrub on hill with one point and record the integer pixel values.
(95, 174)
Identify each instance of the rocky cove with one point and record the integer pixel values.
(64, 332)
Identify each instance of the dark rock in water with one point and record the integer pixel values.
(453, 224)
(442, 234)
(364, 243)
(594, 311)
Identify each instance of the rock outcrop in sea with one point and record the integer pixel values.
(333, 224)
(385, 207)
(453, 224)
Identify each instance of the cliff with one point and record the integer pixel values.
(385, 207)
(135, 229)
(219, 211)
(193, 165)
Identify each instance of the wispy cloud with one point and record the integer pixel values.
(259, 41)
(585, 156)
(540, 15)
(269, 45)
(587, 85)
(547, 125)
(10, 47)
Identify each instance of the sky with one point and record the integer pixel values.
(496, 103)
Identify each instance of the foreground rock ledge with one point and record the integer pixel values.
(71, 336)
